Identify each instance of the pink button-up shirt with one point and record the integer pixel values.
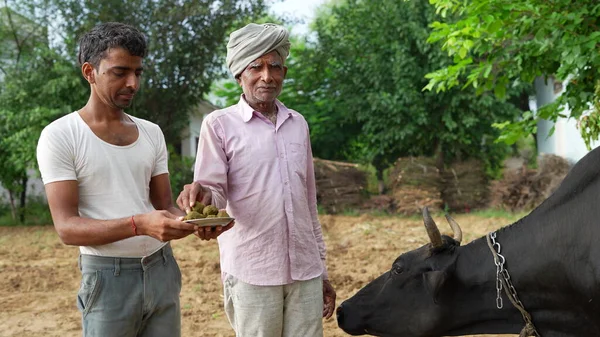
(263, 174)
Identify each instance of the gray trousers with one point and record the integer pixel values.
(130, 297)
(291, 310)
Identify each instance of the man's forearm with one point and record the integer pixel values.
(78, 231)
(175, 210)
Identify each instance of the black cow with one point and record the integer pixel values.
(552, 257)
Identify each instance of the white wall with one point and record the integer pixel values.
(189, 143)
(566, 140)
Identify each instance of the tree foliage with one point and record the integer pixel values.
(186, 46)
(373, 57)
(358, 81)
(494, 43)
(36, 86)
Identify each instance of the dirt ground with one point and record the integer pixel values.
(39, 275)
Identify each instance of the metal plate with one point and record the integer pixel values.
(210, 221)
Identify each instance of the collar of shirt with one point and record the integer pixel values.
(246, 111)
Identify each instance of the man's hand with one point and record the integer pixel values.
(191, 193)
(207, 232)
(328, 299)
(163, 226)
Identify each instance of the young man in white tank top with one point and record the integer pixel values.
(107, 184)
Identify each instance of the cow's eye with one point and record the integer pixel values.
(397, 269)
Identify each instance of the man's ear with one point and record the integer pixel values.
(87, 70)
(284, 71)
(238, 79)
(434, 281)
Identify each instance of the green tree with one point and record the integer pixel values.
(187, 44)
(374, 57)
(359, 85)
(306, 90)
(494, 43)
(35, 84)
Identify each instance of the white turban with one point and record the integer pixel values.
(253, 41)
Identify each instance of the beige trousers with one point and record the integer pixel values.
(291, 310)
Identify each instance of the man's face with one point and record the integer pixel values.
(263, 78)
(117, 78)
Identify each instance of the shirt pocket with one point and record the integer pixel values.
(297, 158)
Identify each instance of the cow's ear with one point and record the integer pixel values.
(434, 280)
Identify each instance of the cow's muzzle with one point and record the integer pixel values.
(349, 320)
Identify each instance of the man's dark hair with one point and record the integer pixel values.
(94, 44)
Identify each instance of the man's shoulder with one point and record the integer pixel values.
(144, 122)
(292, 112)
(221, 113)
(62, 124)
(295, 115)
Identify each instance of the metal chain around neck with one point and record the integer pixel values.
(503, 281)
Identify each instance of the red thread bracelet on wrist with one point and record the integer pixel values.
(133, 226)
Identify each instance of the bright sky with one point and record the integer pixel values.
(299, 9)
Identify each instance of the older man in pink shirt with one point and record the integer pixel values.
(255, 159)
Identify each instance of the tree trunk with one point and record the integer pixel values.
(23, 200)
(379, 163)
(439, 157)
(13, 208)
(440, 165)
(380, 182)
(535, 144)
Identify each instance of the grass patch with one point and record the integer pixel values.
(351, 212)
(36, 213)
(489, 213)
(499, 213)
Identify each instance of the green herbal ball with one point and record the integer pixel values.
(198, 207)
(210, 210)
(193, 215)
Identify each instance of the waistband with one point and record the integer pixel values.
(96, 262)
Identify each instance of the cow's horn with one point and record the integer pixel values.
(432, 230)
(455, 228)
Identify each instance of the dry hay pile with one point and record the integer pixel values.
(525, 188)
(416, 183)
(339, 185)
(383, 203)
(465, 186)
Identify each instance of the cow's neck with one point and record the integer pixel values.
(474, 304)
(552, 272)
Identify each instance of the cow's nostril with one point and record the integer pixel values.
(349, 320)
